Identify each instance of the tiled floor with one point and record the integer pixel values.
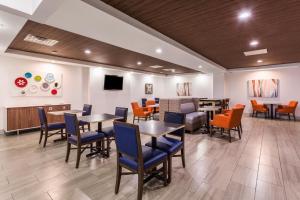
(265, 164)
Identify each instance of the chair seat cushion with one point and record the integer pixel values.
(167, 144)
(195, 117)
(87, 137)
(108, 131)
(151, 156)
(55, 126)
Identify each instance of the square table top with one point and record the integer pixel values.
(62, 112)
(98, 118)
(157, 128)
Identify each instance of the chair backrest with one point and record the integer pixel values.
(293, 104)
(72, 127)
(121, 112)
(127, 139)
(149, 103)
(253, 102)
(144, 102)
(156, 100)
(42, 116)
(187, 107)
(87, 110)
(176, 118)
(235, 117)
(135, 108)
(239, 105)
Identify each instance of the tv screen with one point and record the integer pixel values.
(112, 82)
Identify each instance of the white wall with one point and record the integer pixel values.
(202, 85)
(9, 67)
(289, 83)
(133, 89)
(219, 85)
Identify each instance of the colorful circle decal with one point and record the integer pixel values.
(54, 92)
(33, 89)
(57, 85)
(21, 82)
(38, 78)
(23, 92)
(28, 75)
(45, 87)
(49, 78)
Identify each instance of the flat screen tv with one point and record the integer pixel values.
(112, 82)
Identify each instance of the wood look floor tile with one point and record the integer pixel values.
(245, 176)
(266, 191)
(236, 191)
(270, 174)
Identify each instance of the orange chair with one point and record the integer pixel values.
(149, 103)
(228, 121)
(287, 109)
(226, 112)
(259, 108)
(139, 112)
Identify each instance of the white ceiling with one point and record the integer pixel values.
(78, 17)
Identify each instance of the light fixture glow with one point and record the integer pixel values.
(259, 61)
(244, 15)
(139, 62)
(87, 51)
(200, 66)
(158, 50)
(254, 43)
(1, 26)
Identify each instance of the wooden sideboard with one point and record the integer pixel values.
(20, 118)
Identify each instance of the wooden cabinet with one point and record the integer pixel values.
(19, 118)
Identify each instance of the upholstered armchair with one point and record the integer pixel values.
(139, 112)
(259, 108)
(289, 109)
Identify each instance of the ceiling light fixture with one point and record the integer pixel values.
(259, 61)
(256, 52)
(54, 52)
(244, 15)
(254, 43)
(158, 50)
(40, 40)
(139, 62)
(200, 66)
(156, 66)
(87, 51)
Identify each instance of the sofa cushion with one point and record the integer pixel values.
(187, 107)
(195, 117)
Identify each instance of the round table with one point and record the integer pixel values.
(271, 104)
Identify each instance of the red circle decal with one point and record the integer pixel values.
(21, 82)
(54, 92)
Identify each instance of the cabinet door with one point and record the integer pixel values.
(17, 118)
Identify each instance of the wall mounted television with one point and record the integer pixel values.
(112, 82)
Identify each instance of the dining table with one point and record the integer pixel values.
(271, 104)
(99, 119)
(154, 106)
(62, 112)
(210, 111)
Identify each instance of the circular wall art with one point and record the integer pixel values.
(33, 89)
(49, 78)
(21, 82)
(37, 78)
(23, 92)
(54, 92)
(57, 85)
(28, 75)
(45, 87)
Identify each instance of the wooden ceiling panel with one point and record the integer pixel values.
(211, 27)
(72, 46)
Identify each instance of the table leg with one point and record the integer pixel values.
(100, 146)
(207, 121)
(272, 112)
(154, 142)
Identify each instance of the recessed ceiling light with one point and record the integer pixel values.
(158, 50)
(259, 61)
(87, 51)
(244, 15)
(200, 66)
(54, 52)
(139, 63)
(254, 43)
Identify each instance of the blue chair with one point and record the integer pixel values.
(83, 141)
(144, 100)
(156, 100)
(171, 145)
(49, 129)
(134, 157)
(87, 110)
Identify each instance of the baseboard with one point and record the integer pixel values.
(2, 131)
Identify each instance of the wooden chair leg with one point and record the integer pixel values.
(241, 127)
(107, 146)
(118, 179)
(165, 169)
(89, 127)
(46, 137)
(68, 151)
(294, 115)
(82, 128)
(62, 133)
(239, 132)
(289, 116)
(169, 169)
(140, 185)
(91, 146)
(183, 157)
(78, 156)
(41, 136)
(229, 135)
(210, 131)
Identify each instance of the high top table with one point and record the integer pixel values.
(210, 110)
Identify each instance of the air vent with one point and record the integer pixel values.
(156, 66)
(256, 52)
(40, 40)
